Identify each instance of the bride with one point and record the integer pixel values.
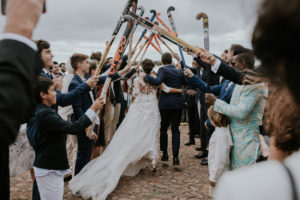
(133, 145)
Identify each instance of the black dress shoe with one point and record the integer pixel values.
(198, 149)
(176, 161)
(165, 157)
(201, 155)
(190, 142)
(204, 161)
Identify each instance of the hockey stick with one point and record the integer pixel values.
(162, 32)
(163, 24)
(142, 11)
(114, 66)
(156, 40)
(142, 47)
(153, 45)
(205, 27)
(170, 9)
(164, 43)
(114, 35)
(145, 30)
(148, 44)
(206, 42)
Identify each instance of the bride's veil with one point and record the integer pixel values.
(66, 111)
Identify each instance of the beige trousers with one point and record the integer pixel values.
(111, 119)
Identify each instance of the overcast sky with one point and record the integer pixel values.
(82, 26)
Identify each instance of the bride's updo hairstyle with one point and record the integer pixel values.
(147, 66)
(77, 58)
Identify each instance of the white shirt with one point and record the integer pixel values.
(216, 66)
(263, 181)
(229, 84)
(42, 172)
(19, 38)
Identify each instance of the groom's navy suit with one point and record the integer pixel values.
(170, 105)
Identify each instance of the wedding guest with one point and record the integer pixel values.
(51, 162)
(246, 109)
(80, 63)
(170, 105)
(55, 70)
(273, 179)
(219, 148)
(63, 69)
(19, 67)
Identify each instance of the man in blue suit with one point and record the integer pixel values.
(170, 105)
(81, 104)
(67, 98)
(223, 91)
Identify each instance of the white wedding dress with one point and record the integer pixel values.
(133, 146)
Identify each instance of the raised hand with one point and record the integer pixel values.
(191, 92)
(206, 56)
(98, 104)
(58, 82)
(93, 136)
(92, 82)
(176, 56)
(188, 73)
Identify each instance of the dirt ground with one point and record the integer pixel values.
(189, 181)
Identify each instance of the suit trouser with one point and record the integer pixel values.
(115, 119)
(108, 115)
(122, 112)
(85, 148)
(72, 149)
(168, 117)
(4, 171)
(111, 118)
(193, 120)
(35, 191)
(204, 133)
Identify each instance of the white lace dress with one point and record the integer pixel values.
(133, 145)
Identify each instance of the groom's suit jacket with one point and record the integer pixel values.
(173, 78)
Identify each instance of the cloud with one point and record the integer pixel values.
(83, 26)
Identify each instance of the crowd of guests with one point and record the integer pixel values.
(242, 113)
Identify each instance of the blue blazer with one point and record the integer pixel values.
(43, 74)
(173, 78)
(68, 98)
(218, 90)
(83, 102)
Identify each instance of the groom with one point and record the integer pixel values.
(170, 105)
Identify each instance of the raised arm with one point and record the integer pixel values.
(248, 99)
(155, 81)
